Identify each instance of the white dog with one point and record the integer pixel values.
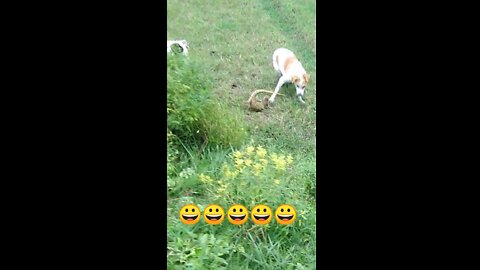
(182, 43)
(291, 70)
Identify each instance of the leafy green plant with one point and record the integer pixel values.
(254, 176)
(193, 115)
(199, 251)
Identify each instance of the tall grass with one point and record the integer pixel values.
(195, 117)
(197, 121)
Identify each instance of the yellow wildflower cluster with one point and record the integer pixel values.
(205, 179)
(244, 159)
(239, 163)
(261, 152)
(228, 173)
(237, 154)
(264, 161)
(256, 158)
(280, 161)
(251, 172)
(257, 168)
(222, 187)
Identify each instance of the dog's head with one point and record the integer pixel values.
(300, 83)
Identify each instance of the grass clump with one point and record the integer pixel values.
(195, 117)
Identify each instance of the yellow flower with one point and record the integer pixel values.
(250, 149)
(230, 174)
(237, 154)
(279, 160)
(205, 178)
(261, 152)
(264, 161)
(257, 168)
(248, 162)
(280, 164)
(289, 159)
(239, 163)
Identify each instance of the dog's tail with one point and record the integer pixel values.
(254, 93)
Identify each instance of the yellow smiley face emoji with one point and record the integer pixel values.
(261, 214)
(190, 214)
(285, 214)
(213, 214)
(237, 214)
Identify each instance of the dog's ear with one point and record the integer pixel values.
(306, 77)
(295, 79)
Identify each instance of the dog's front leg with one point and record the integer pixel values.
(281, 81)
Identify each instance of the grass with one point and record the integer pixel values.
(235, 41)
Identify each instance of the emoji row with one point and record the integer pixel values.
(237, 214)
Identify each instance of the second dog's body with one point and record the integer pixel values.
(291, 70)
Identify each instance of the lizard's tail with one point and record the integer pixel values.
(254, 93)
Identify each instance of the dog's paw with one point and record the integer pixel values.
(271, 100)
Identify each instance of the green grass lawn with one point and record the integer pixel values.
(235, 41)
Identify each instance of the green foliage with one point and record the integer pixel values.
(194, 116)
(199, 251)
(251, 177)
(172, 155)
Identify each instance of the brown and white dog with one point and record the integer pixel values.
(291, 70)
